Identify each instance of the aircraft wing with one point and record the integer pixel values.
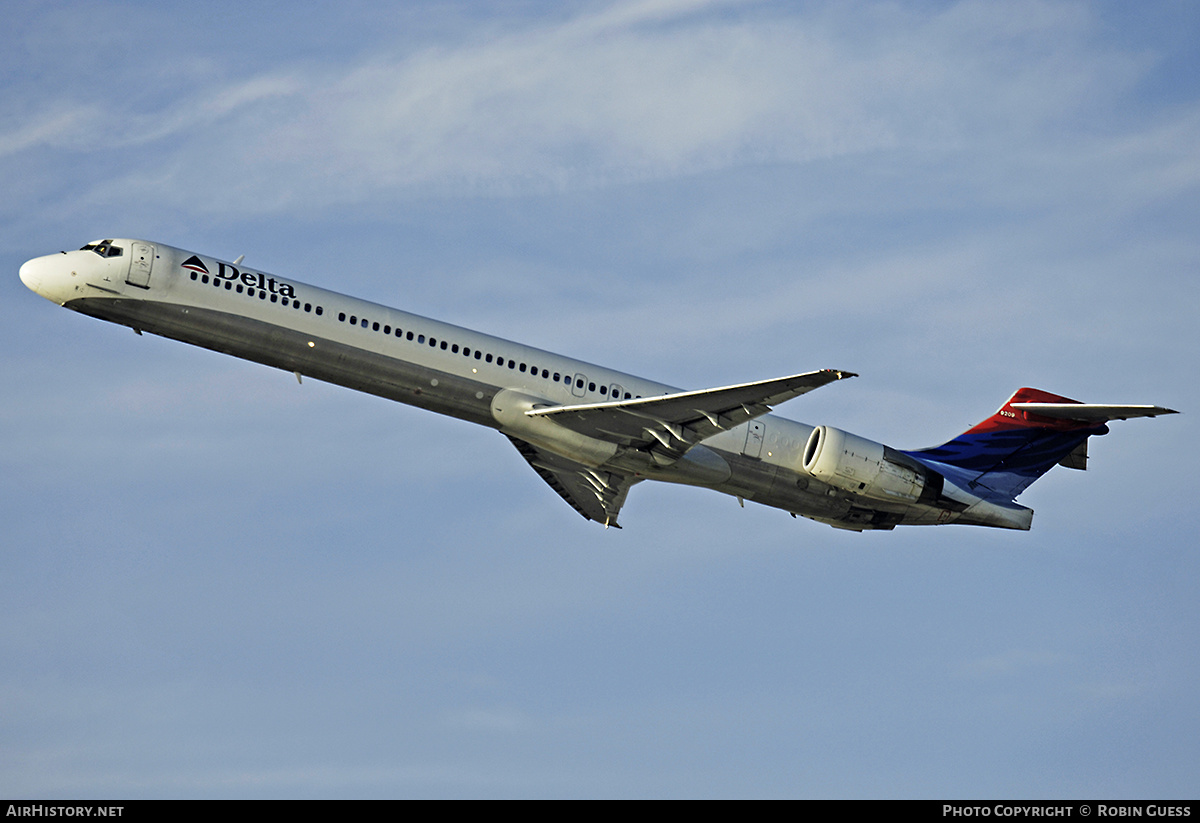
(671, 424)
(595, 493)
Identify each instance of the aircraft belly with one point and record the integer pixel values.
(699, 466)
(290, 350)
(780, 487)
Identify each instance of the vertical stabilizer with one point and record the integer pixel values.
(1003, 455)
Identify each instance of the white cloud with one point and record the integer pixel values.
(489, 720)
(52, 127)
(1014, 661)
(626, 92)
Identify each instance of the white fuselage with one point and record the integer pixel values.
(328, 336)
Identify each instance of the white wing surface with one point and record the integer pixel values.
(671, 424)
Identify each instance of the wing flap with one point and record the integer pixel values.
(594, 493)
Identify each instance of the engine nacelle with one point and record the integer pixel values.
(862, 466)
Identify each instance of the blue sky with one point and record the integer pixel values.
(218, 583)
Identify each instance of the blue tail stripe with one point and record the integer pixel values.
(1006, 461)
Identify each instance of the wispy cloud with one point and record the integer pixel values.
(1014, 661)
(629, 91)
(489, 720)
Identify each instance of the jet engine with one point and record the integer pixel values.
(863, 466)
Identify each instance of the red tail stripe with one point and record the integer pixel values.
(1009, 418)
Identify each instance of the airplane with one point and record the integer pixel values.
(590, 432)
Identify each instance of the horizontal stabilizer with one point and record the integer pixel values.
(1090, 412)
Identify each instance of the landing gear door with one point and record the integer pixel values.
(141, 261)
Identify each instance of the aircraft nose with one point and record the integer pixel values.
(31, 273)
(47, 276)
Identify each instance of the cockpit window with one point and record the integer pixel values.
(104, 248)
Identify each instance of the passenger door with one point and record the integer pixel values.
(141, 261)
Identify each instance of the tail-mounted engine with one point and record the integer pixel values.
(866, 468)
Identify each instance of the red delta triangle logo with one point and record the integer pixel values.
(195, 264)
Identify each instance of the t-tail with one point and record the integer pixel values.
(998, 459)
